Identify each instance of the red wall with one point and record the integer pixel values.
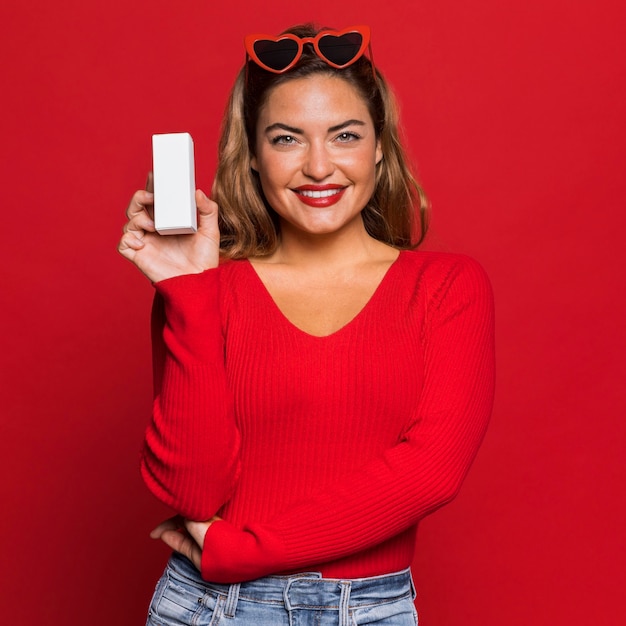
(515, 115)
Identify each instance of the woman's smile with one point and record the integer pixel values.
(320, 195)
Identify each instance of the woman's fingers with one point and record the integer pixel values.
(206, 206)
(128, 244)
(173, 533)
(198, 529)
(173, 523)
(140, 211)
(134, 232)
(159, 257)
(207, 212)
(150, 189)
(150, 182)
(208, 225)
(142, 201)
(140, 223)
(184, 544)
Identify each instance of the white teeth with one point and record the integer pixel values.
(319, 194)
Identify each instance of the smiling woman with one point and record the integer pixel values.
(320, 386)
(396, 212)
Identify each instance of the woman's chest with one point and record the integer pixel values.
(362, 382)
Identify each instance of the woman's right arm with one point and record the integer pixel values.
(191, 453)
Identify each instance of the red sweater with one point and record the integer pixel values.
(320, 453)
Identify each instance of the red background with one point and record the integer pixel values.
(515, 115)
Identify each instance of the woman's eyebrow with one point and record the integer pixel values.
(334, 129)
(279, 126)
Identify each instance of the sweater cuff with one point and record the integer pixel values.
(232, 555)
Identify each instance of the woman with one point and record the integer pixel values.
(327, 386)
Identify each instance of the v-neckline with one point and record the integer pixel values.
(351, 322)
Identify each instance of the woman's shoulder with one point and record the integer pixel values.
(437, 272)
(232, 269)
(440, 262)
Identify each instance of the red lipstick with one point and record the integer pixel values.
(319, 196)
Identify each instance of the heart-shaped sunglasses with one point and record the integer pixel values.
(338, 48)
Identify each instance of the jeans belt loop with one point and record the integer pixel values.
(344, 603)
(231, 601)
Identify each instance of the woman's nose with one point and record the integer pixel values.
(318, 162)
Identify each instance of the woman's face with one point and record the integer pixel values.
(316, 154)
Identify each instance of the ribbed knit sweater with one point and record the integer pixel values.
(320, 453)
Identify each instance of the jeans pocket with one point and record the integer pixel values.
(179, 602)
(395, 613)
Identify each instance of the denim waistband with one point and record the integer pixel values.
(307, 589)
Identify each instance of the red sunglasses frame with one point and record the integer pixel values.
(362, 30)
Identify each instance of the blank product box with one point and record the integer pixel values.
(174, 184)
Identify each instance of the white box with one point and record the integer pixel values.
(174, 184)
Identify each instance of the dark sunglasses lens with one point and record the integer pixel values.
(340, 50)
(276, 54)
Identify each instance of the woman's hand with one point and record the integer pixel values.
(160, 257)
(184, 536)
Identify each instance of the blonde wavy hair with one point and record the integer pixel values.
(397, 212)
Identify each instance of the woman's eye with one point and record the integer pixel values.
(285, 140)
(347, 136)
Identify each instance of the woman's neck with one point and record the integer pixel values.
(350, 246)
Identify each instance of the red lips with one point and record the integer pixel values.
(319, 196)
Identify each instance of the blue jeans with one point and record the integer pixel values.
(182, 598)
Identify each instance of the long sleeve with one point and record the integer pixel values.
(423, 471)
(191, 453)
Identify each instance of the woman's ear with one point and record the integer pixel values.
(379, 152)
(253, 164)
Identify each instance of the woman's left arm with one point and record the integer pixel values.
(408, 481)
